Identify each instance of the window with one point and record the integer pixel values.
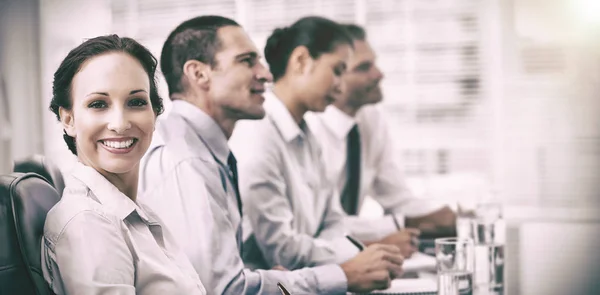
(470, 89)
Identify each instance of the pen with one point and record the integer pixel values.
(356, 243)
(396, 223)
(283, 290)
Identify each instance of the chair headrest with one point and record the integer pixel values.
(25, 200)
(40, 165)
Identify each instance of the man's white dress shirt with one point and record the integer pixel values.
(380, 175)
(187, 182)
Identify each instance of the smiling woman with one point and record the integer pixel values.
(99, 237)
(79, 58)
(111, 119)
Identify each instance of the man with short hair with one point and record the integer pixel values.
(359, 157)
(189, 175)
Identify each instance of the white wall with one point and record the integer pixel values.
(20, 65)
(559, 258)
(64, 25)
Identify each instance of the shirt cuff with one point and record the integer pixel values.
(331, 279)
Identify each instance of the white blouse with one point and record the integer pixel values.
(98, 241)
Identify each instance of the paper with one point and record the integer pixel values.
(419, 262)
(410, 286)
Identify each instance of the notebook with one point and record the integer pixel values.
(409, 287)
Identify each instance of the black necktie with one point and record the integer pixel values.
(350, 192)
(232, 163)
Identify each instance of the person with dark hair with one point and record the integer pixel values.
(99, 238)
(292, 209)
(359, 157)
(215, 79)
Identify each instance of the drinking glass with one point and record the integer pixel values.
(454, 258)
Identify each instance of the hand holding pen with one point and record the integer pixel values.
(373, 268)
(406, 239)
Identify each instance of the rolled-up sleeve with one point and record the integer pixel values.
(89, 255)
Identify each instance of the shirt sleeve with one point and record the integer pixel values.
(391, 192)
(202, 228)
(334, 228)
(89, 256)
(326, 279)
(389, 187)
(177, 192)
(183, 203)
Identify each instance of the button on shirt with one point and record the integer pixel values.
(295, 215)
(380, 175)
(98, 241)
(188, 183)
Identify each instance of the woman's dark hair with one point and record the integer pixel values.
(71, 65)
(319, 35)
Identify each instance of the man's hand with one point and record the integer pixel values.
(279, 267)
(406, 239)
(373, 268)
(439, 223)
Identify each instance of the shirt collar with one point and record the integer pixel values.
(281, 117)
(338, 122)
(205, 127)
(107, 194)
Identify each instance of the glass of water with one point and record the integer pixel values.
(489, 237)
(465, 221)
(454, 258)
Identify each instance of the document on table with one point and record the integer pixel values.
(410, 287)
(419, 262)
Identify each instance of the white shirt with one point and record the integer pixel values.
(98, 241)
(380, 175)
(184, 177)
(292, 208)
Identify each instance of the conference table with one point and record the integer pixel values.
(549, 250)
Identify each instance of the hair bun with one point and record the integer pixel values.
(279, 32)
(273, 46)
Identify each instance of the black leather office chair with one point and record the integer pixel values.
(25, 199)
(40, 165)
